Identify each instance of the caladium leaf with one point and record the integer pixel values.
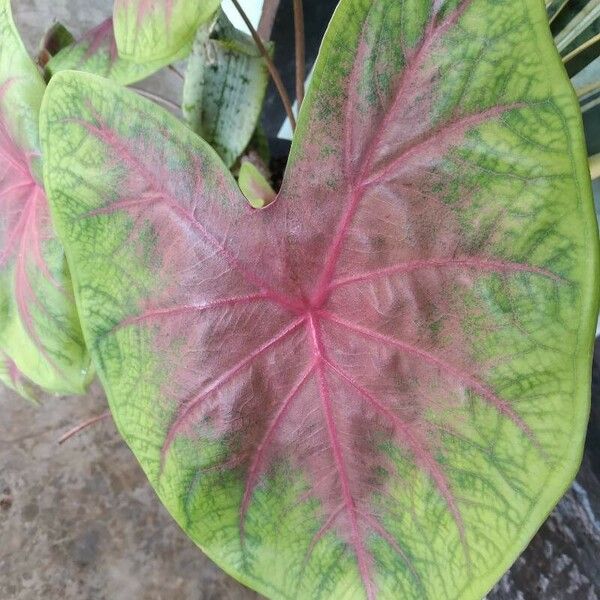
(148, 30)
(11, 376)
(96, 52)
(40, 337)
(225, 85)
(378, 385)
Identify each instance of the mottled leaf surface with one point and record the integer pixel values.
(96, 52)
(148, 30)
(225, 85)
(378, 385)
(40, 337)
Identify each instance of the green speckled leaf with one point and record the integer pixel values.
(377, 386)
(225, 85)
(40, 338)
(96, 52)
(153, 30)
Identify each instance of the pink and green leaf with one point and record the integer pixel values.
(40, 337)
(96, 52)
(378, 385)
(157, 30)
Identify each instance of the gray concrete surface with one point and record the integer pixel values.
(80, 521)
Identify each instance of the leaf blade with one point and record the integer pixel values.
(40, 336)
(225, 84)
(96, 52)
(155, 31)
(416, 451)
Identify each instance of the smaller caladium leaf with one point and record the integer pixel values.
(224, 88)
(255, 186)
(40, 338)
(96, 52)
(12, 377)
(149, 30)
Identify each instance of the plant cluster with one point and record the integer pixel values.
(374, 383)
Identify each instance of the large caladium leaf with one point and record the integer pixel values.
(96, 52)
(40, 337)
(224, 89)
(148, 30)
(378, 385)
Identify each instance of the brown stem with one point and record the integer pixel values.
(300, 50)
(82, 426)
(176, 71)
(270, 65)
(267, 18)
(156, 98)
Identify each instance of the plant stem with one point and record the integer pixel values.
(270, 65)
(83, 425)
(157, 98)
(176, 71)
(595, 166)
(267, 18)
(300, 50)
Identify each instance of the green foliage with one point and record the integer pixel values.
(225, 85)
(96, 52)
(156, 31)
(41, 343)
(254, 186)
(378, 385)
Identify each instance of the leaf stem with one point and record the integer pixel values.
(595, 166)
(176, 71)
(270, 65)
(267, 18)
(300, 50)
(84, 425)
(157, 98)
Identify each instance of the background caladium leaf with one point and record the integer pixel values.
(96, 52)
(378, 385)
(148, 30)
(54, 40)
(225, 85)
(11, 375)
(40, 337)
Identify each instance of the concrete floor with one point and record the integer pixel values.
(80, 521)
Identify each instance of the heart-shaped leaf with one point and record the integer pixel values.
(96, 52)
(40, 337)
(149, 30)
(379, 384)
